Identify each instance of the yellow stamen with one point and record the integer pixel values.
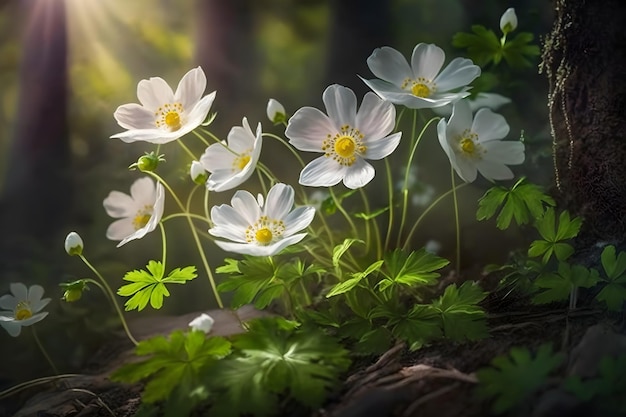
(420, 90)
(242, 161)
(172, 120)
(467, 145)
(142, 217)
(345, 146)
(264, 236)
(22, 311)
(169, 116)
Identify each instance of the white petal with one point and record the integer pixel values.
(39, 305)
(142, 191)
(156, 136)
(118, 204)
(225, 179)
(459, 73)
(35, 292)
(426, 61)
(494, 170)
(246, 205)
(308, 128)
(322, 172)
(375, 118)
(203, 323)
(359, 174)
(279, 201)
(134, 116)
(340, 105)
(35, 318)
(489, 125)
(460, 120)
(509, 152)
(190, 88)
(138, 234)
(120, 229)
(396, 95)
(259, 250)
(380, 148)
(442, 128)
(8, 302)
(228, 223)
(217, 157)
(389, 65)
(300, 218)
(240, 138)
(491, 101)
(157, 209)
(154, 93)
(12, 327)
(465, 168)
(20, 291)
(197, 114)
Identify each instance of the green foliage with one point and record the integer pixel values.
(272, 360)
(461, 317)
(553, 235)
(557, 286)
(341, 249)
(513, 377)
(516, 51)
(614, 292)
(417, 326)
(523, 202)
(607, 390)
(410, 269)
(149, 285)
(173, 362)
(350, 283)
(518, 274)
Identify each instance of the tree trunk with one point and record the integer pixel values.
(583, 59)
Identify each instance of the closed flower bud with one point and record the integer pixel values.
(74, 290)
(148, 163)
(276, 112)
(203, 323)
(73, 244)
(198, 173)
(508, 21)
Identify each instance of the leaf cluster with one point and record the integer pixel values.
(554, 234)
(607, 390)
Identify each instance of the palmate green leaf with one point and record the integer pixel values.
(553, 236)
(523, 202)
(250, 276)
(411, 269)
(459, 312)
(149, 285)
(517, 51)
(420, 325)
(171, 362)
(558, 286)
(613, 294)
(482, 45)
(350, 283)
(513, 377)
(272, 361)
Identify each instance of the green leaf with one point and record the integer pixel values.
(558, 286)
(339, 250)
(614, 292)
(461, 317)
(568, 228)
(614, 267)
(411, 269)
(419, 326)
(252, 275)
(554, 235)
(349, 284)
(514, 377)
(482, 45)
(517, 51)
(372, 215)
(613, 295)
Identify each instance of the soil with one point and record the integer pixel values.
(437, 380)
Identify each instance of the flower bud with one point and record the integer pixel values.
(147, 163)
(73, 244)
(74, 290)
(508, 21)
(198, 173)
(276, 112)
(203, 323)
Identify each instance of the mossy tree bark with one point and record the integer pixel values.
(584, 58)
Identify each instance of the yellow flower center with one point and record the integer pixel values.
(241, 161)
(264, 231)
(168, 117)
(142, 217)
(264, 236)
(420, 90)
(420, 87)
(345, 146)
(469, 146)
(23, 311)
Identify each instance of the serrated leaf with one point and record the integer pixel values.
(350, 283)
(568, 228)
(411, 269)
(340, 250)
(613, 295)
(482, 45)
(461, 317)
(558, 287)
(614, 267)
(231, 267)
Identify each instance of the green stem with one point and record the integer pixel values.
(111, 296)
(186, 149)
(206, 142)
(39, 381)
(192, 215)
(211, 135)
(456, 224)
(196, 239)
(366, 206)
(344, 212)
(44, 352)
(284, 142)
(164, 243)
(390, 197)
(104, 291)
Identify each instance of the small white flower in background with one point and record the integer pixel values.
(258, 227)
(276, 112)
(203, 323)
(491, 101)
(163, 115)
(421, 84)
(473, 144)
(73, 244)
(508, 21)
(233, 163)
(22, 307)
(139, 213)
(432, 246)
(197, 173)
(346, 137)
(317, 198)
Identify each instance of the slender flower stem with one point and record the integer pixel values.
(456, 223)
(344, 212)
(192, 215)
(205, 203)
(390, 198)
(196, 239)
(260, 173)
(206, 142)
(39, 381)
(104, 291)
(44, 352)
(186, 149)
(164, 243)
(211, 135)
(425, 212)
(290, 148)
(366, 205)
(109, 292)
(405, 187)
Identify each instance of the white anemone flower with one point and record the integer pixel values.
(491, 101)
(203, 323)
(139, 213)
(508, 21)
(258, 227)
(421, 84)
(474, 144)
(163, 115)
(346, 137)
(24, 306)
(275, 111)
(233, 163)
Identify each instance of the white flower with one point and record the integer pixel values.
(260, 228)
(491, 101)
(203, 323)
(197, 173)
(346, 137)
(508, 21)
(276, 111)
(164, 116)
(230, 165)
(139, 213)
(24, 306)
(432, 246)
(474, 144)
(420, 85)
(73, 244)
